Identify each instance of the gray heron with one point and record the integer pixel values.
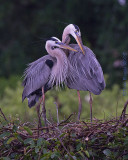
(42, 74)
(90, 74)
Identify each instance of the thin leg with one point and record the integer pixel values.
(43, 108)
(90, 101)
(38, 113)
(80, 105)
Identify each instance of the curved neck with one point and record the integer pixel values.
(66, 36)
(60, 68)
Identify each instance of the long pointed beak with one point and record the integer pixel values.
(64, 46)
(79, 41)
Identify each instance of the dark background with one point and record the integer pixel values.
(103, 24)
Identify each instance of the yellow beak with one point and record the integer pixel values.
(79, 41)
(64, 46)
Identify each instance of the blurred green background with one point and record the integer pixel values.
(104, 28)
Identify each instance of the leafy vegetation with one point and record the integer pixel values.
(99, 140)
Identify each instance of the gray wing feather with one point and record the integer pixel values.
(36, 76)
(89, 70)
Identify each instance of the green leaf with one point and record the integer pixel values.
(28, 130)
(28, 141)
(125, 157)
(66, 156)
(44, 150)
(87, 153)
(20, 139)
(82, 155)
(5, 134)
(62, 135)
(107, 152)
(74, 157)
(36, 149)
(10, 140)
(78, 146)
(15, 135)
(14, 128)
(40, 141)
(53, 155)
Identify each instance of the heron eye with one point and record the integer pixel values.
(54, 47)
(76, 31)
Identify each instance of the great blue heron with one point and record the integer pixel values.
(42, 74)
(85, 64)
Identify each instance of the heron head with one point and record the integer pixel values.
(75, 32)
(54, 43)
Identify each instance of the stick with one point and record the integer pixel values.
(122, 117)
(66, 119)
(3, 115)
(65, 147)
(90, 107)
(57, 112)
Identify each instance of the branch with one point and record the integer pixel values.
(122, 117)
(66, 119)
(57, 112)
(3, 115)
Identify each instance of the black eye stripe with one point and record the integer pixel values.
(76, 27)
(54, 47)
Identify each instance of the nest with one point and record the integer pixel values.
(63, 131)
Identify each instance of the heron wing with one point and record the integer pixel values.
(36, 75)
(89, 70)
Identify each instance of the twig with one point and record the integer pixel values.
(40, 152)
(66, 119)
(85, 124)
(50, 115)
(65, 147)
(90, 101)
(57, 112)
(3, 115)
(124, 124)
(122, 117)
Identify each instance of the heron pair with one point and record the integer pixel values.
(73, 65)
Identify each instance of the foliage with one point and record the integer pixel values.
(21, 22)
(99, 140)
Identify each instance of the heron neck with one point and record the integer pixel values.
(65, 36)
(60, 69)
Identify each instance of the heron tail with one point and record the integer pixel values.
(32, 99)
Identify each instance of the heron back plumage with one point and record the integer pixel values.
(89, 70)
(35, 77)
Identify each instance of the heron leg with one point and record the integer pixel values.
(90, 101)
(38, 113)
(43, 107)
(80, 105)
